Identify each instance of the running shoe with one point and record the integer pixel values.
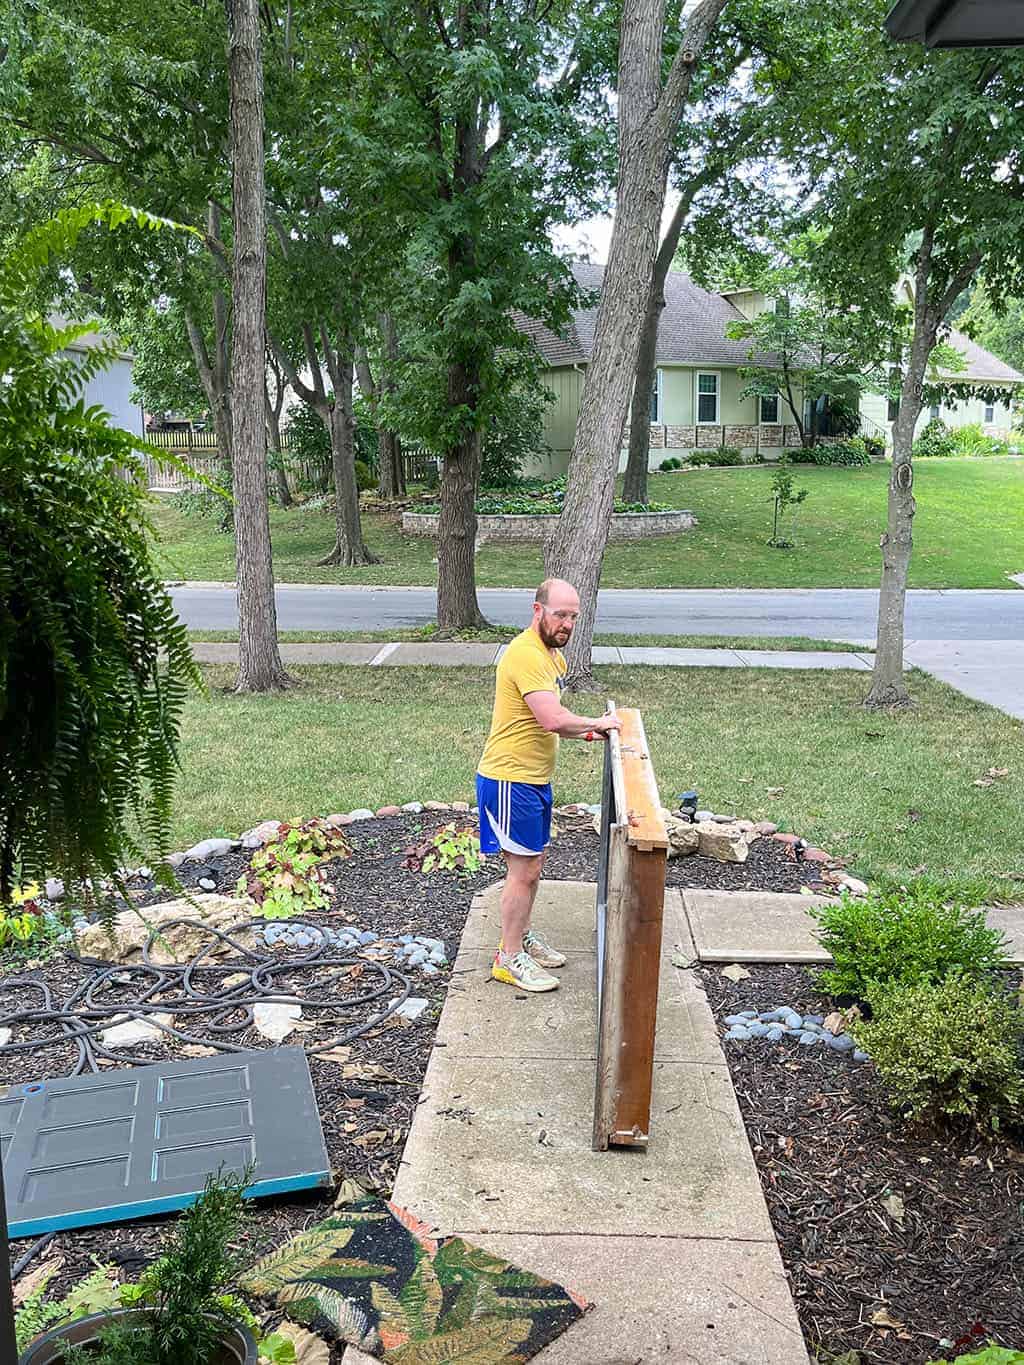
(522, 971)
(541, 951)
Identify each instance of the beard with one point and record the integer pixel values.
(556, 638)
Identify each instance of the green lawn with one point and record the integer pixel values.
(893, 792)
(496, 634)
(969, 533)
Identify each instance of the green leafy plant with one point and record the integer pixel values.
(875, 446)
(95, 665)
(673, 462)
(97, 1293)
(717, 456)
(906, 938)
(289, 875)
(935, 442)
(974, 440)
(852, 452)
(990, 1355)
(949, 1050)
(450, 850)
(785, 496)
(365, 479)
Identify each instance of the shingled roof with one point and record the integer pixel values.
(981, 365)
(692, 330)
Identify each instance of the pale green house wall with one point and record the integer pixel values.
(967, 412)
(675, 433)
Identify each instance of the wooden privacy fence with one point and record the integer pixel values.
(630, 906)
(199, 449)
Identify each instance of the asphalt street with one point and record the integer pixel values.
(821, 613)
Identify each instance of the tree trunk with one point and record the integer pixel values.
(390, 466)
(634, 488)
(648, 117)
(888, 687)
(259, 660)
(349, 548)
(457, 606)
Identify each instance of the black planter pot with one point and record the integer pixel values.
(238, 1347)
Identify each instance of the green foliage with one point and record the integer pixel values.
(288, 875)
(309, 450)
(542, 500)
(875, 446)
(97, 1293)
(365, 479)
(25, 931)
(973, 440)
(852, 452)
(904, 938)
(948, 1050)
(990, 1355)
(450, 850)
(514, 435)
(720, 455)
(673, 462)
(784, 496)
(205, 502)
(1001, 330)
(94, 663)
(935, 442)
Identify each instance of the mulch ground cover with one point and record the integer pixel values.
(888, 1278)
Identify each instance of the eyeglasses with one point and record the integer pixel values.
(568, 617)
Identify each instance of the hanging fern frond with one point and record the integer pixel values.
(95, 666)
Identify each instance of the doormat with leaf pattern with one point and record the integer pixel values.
(371, 1275)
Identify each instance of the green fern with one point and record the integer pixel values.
(296, 1260)
(95, 666)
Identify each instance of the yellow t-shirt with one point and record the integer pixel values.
(518, 749)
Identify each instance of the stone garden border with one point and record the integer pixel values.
(537, 526)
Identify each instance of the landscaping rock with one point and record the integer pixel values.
(131, 929)
(765, 828)
(786, 838)
(775, 1034)
(738, 1034)
(842, 1043)
(361, 814)
(412, 1007)
(275, 1020)
(338, 821)
(207, 884)
(461, 806)
(808, 1039)
(389, 810)
(683, 838)
(259, 834)
(859, 1056)
(725, 843)
(174, 860)
(427, 805)
(133, 1031)
(757, 1030)
(210, 848)
(816, 855)
(854, 885)
(54, 889)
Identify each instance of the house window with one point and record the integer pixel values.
(990, 412)
(933, 412)
(707, 399)
(656, 397)
(893, 410)
(769, 409)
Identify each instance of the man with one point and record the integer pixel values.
(513, 784)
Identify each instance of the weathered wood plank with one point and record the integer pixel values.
(643, 803)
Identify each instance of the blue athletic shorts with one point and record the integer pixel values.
(514, 816)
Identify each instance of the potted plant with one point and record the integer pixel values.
(181, 1312)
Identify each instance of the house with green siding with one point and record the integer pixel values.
(697, 401)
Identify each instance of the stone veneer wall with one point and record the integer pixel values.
(624, 525)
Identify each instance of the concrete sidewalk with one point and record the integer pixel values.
(483, 656)
(764, 926)
(673, 1245)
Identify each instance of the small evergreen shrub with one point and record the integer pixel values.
(802, 455)
(852, 452)
(671, 463)
(950, 1050)
(935, 442)
(364, 477)
(903, 938)
(721, 455)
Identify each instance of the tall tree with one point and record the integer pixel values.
(259, 660)
(649, 109)
(927, 157)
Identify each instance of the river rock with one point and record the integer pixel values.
(210, 848)
(427, 805)
(388, 810)
(854, 885)
(259, 834)
(683, 838)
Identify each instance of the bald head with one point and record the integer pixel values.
(556, 606)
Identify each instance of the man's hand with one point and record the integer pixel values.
(600, 729)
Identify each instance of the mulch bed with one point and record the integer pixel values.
(829, 1150)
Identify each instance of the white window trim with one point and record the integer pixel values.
(659, 416)
(985, 409)
(778, 410)
(717, 376)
